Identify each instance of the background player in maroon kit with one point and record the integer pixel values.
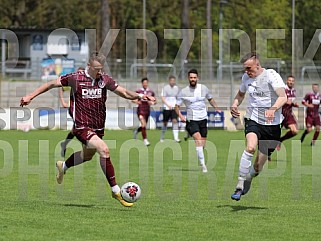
(289, 121)
(87, 103)
(143, 110)
(312, 102)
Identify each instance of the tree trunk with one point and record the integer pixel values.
(209, 56)
(105, 23)
(184, 25)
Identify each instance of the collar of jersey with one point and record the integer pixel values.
(287, 87)
(88, 76)
(193, 88)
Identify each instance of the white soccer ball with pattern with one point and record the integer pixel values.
(130, 192)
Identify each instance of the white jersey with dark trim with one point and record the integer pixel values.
(195, 101)
(170, 93)
(262, 95)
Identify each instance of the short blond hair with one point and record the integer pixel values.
(251, 55)
(96, 56)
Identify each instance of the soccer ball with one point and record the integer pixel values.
(130, 192)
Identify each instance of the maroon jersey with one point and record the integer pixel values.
(314, 99)
(143, 106)
(87, 99)
(287, 108)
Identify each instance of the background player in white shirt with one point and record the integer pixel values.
(262, 120)
(169, 94)
(194, 97)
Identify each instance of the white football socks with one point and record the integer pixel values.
(175, 131)
(244, 169)
(115, 189)
(200, 155)
(164, 128)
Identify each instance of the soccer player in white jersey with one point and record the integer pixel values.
(194, 97)
(169, 94)
(262, 119)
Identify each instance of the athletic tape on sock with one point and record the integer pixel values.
(245, 163)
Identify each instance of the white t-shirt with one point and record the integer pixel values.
(170, 93)
(262, 95)
(194, 100)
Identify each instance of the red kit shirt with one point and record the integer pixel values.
(312, 98)
(287, 108)
(88, 98)
(143, 106)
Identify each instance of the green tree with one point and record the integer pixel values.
(247, 15)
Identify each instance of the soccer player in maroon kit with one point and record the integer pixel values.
(87, 103)
(289, 121)
(312, 102)
(70, 135)
(143, 110)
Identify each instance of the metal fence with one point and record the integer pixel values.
(157, 71)
(224, 88)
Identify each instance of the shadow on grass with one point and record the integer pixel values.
(276, 160)
(79, 205)
(241, 208)
(186, 169)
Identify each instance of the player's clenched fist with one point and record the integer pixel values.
(25, 101)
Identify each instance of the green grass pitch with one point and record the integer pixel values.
(178, 201)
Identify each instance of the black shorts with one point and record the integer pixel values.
(197, 126)
(268, 135)
(169, 115)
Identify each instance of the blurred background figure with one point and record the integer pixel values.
(168, 95)
(143, 110)
(312, 102)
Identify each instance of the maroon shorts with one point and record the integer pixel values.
(144, 114)
(312, 121)
(289, 119)
(84, 135)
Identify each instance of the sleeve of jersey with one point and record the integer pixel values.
(66, 80)
(179, 99)
(275, 79)
(208, 94)
(162, 93)
(111, 84)
(242, 86)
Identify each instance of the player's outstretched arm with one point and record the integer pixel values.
(61, 98)
(130, 95)
(43, 88)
